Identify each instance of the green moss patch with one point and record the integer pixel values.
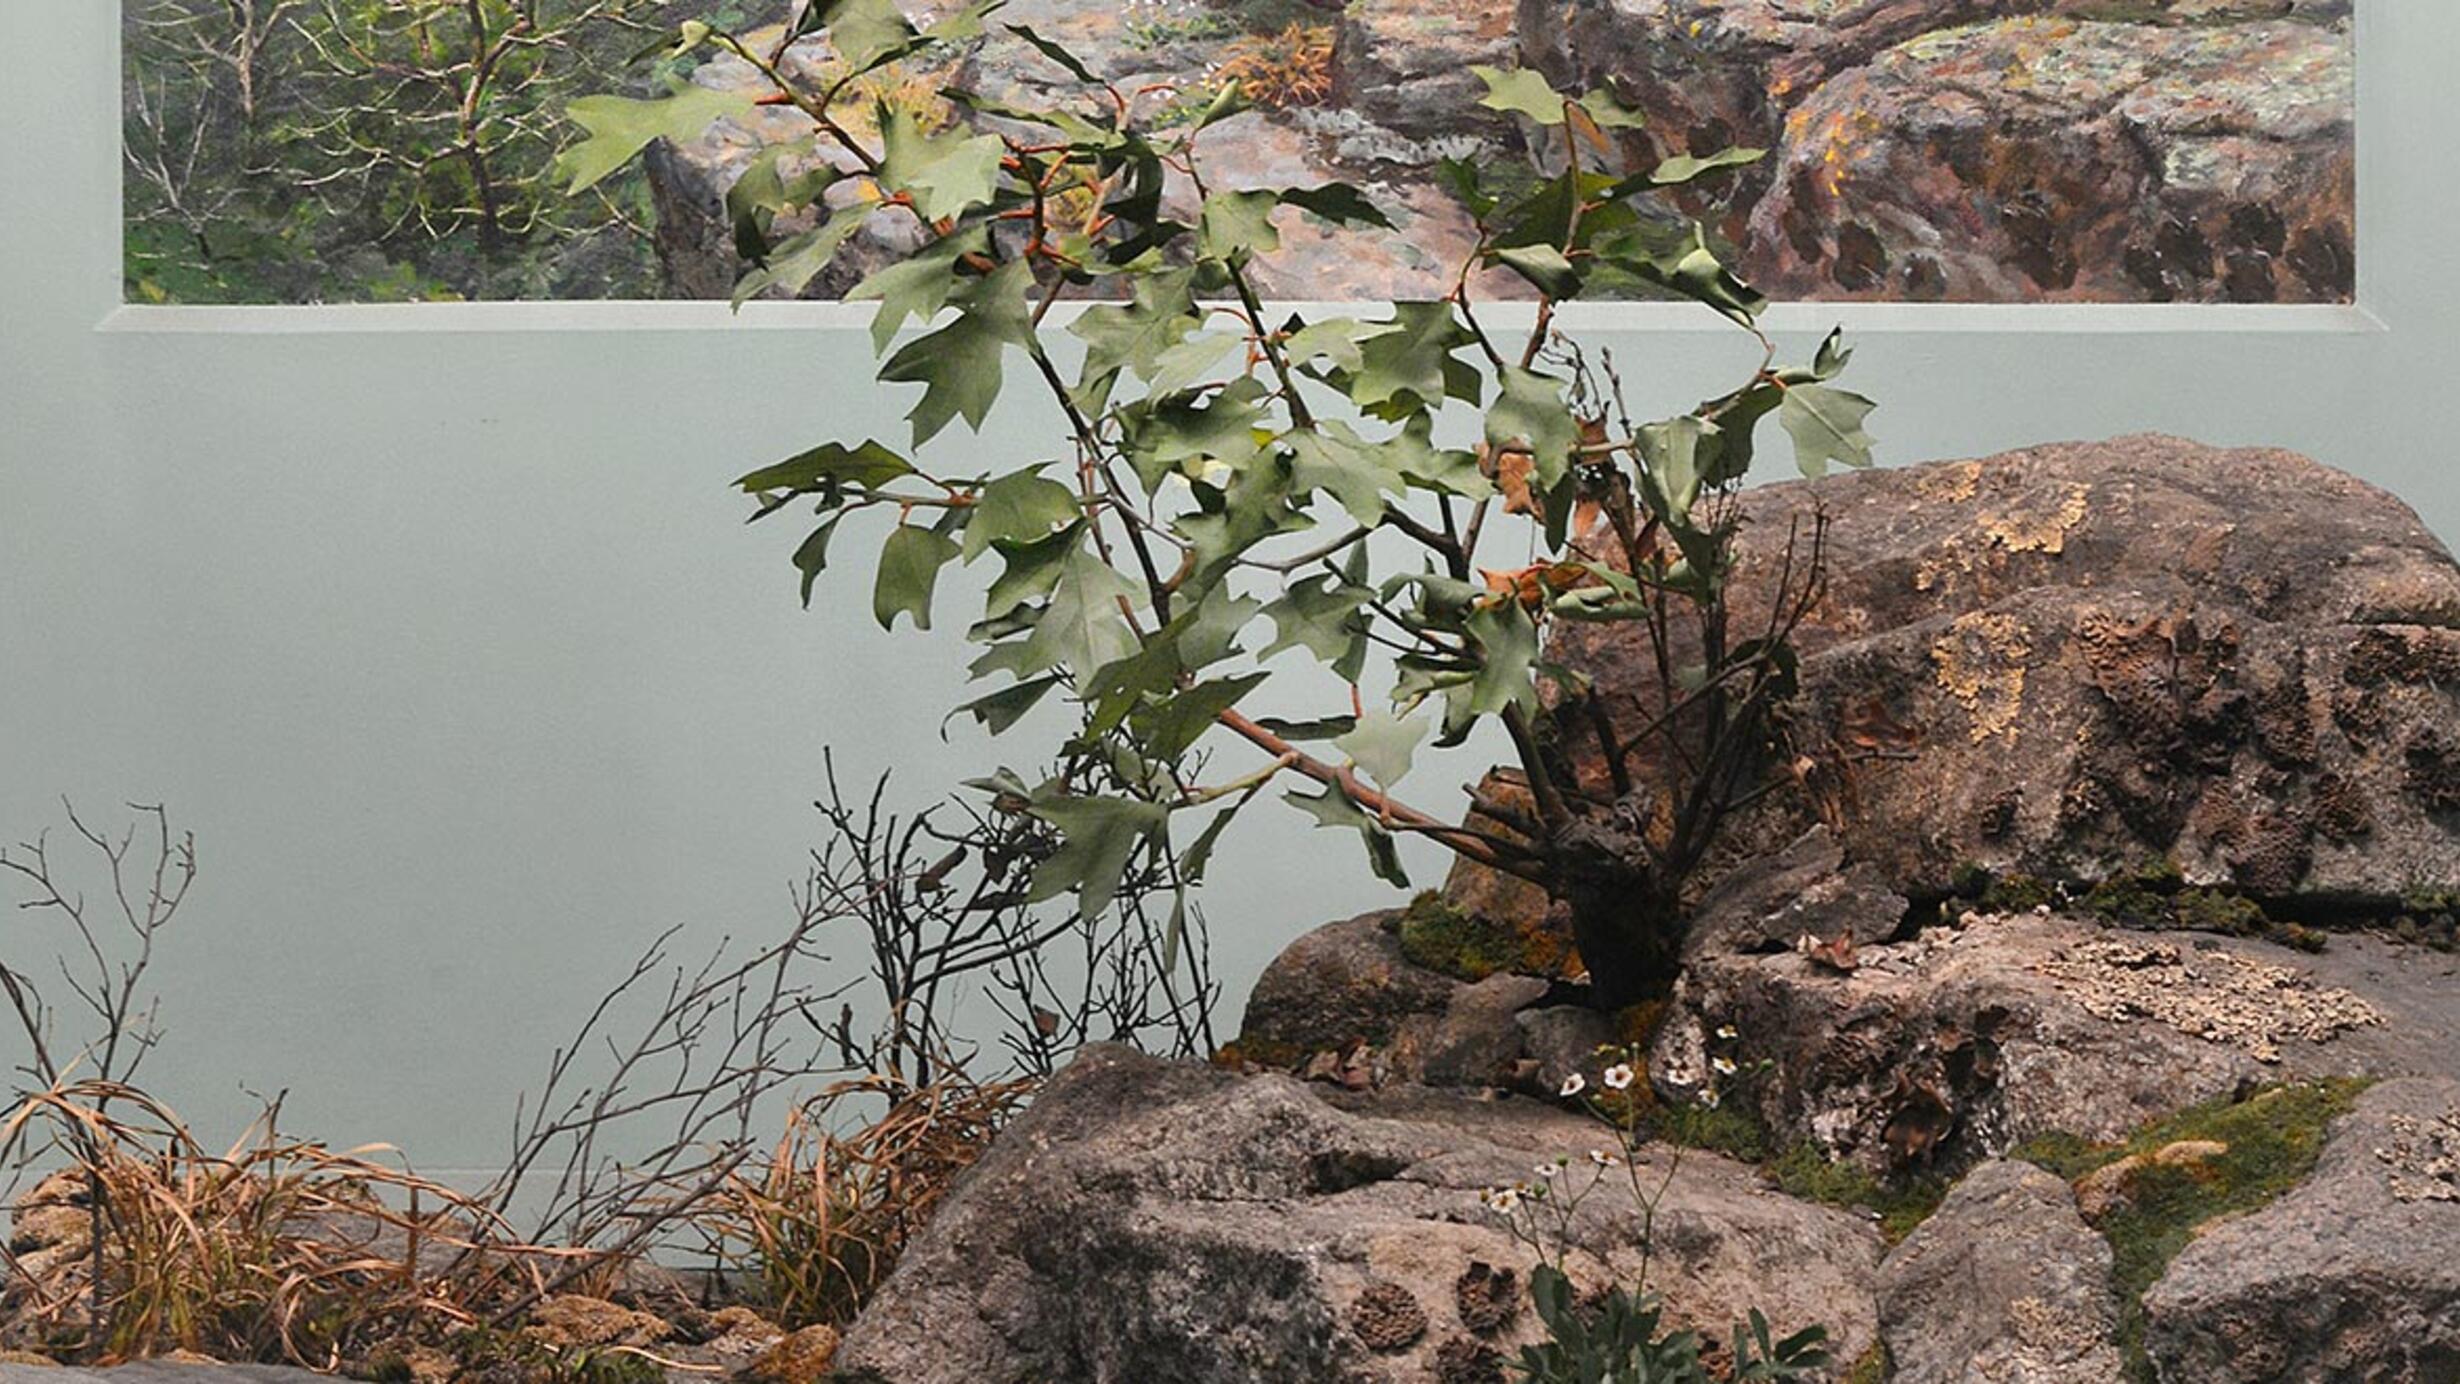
(2273, 1139)
(2152, 898)
(1872, 1367)
(1803, 1171)
(1442, 936)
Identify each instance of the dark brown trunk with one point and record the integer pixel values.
(1626, 918)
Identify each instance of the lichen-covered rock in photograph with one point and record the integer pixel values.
(2037, 159)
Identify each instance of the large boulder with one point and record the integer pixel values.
(2005, 1281)
(1146, 1220)
(2078, 661)
(2034, 159)
(2353, 1275)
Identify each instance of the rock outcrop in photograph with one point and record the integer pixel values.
(1995, 151)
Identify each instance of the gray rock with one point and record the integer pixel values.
(1995, 149)
(2086, 658)
(1344, 982)
(2004, 1282)
(2032, 159)
(1561, 1040)
(1805, 890)
(1965, 1041)
(2353, 1275)
(1477, 1038)
(1146, 1220)
(1404, 65)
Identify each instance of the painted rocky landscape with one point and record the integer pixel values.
(2089, 1012)
(2005, 151)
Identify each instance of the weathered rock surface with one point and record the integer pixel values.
(2354, 1275)
(1966, 1041)
(1403, 65)
(1147, 1220)
(2004, 1282)
(1344, 1004)
(2002, 150)
(2048, 158)
(2076, 660)
(159, 1372)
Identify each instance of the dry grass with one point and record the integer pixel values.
(1290, 68)
(819, 1224)
(274, 1249)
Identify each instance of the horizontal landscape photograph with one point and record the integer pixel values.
(1994, 151)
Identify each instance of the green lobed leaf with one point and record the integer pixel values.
(1334, 808)
(1019, 508)
(811, 556)
(1521, 91)
(1529, 411)
(620, 128)
(1684, 168)
(919, 285)
(1382, 744)
(1083, 627)
(791, 267)
(1319, 614)
(867, 464)
(1099, 838)
(1075, 66)
(961, 366)
(1543, 266)
(1168, 727)
(1004, 708)
(1508, 651)
(1676, 455)
(1826, 425)
(1235, 225)
(946, 174)
(910, 563)
(1403, 370)
(1608, 113)
(1342, 203)
(865, 33)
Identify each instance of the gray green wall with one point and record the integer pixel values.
(444, 635)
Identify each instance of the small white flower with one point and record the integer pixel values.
(1547, 1170)
(1573, 1085)
(1618, 1077)
(1724, 1065)
(1728, 1032)
(1604, 1159)
(1504, 1200)
(1709, 1098)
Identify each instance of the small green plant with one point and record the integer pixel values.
(1619, 1335)
(1217, 468)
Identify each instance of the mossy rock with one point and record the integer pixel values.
(1446, 938)
(2271, 1141)
(2154, 897)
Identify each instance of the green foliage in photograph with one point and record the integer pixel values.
(380, 150)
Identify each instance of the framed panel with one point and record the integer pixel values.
(1969, 152)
